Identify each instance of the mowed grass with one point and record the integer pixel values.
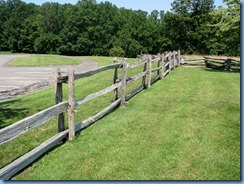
(5, 52)
(186, 127)
(16, 109)
(46, 60)
(52, 60)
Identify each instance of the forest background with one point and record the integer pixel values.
(103, 29)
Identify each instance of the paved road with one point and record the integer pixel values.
(14, 79)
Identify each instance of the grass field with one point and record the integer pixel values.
(46, 60)
(5, 52)
(186, 127)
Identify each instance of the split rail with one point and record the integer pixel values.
(165, 64)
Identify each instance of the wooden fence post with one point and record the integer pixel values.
(123, 86)
(162, 65)
(144, 77)
(178, 57)
(159, 63)
(206, 61)
(149, 71)
(115, 81)
(71, 109)
(228, 64)
(59, 99)
(170, 61)
(174, 59)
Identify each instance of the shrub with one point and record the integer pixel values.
(116, 52)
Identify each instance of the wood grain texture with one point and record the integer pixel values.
(71, 109)
(163, 66)
(115, 80)
(149, 72)
(59, 99)
(13, 131)
(123, 85)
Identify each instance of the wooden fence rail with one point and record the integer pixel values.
(166, 62)
(215, 63)
(13, 131)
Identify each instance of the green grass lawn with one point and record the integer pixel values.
(186, 127)
(50, 60)
(5, 52)
(46, 60)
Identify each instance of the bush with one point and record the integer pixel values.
(116, 52)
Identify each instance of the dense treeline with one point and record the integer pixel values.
(89, 28)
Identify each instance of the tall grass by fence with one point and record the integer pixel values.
(153, 68)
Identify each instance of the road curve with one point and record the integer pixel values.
(16, 81)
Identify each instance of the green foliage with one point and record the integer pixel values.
(116, 52)
(46, 43)
(226, 22)
(89, 28)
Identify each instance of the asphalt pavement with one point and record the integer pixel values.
(13, 79)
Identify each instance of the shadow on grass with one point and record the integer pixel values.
(7, 113)
(221, 70)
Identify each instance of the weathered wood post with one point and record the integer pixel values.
(59, 99)
(71, 110)
(123, 85)
(178, 57)
(206, 61)
(162, 65)
(159, 64)
(174, 59)
(144, 70)
(115, 81)
(228, 64)
(170, 61)
(149, 72)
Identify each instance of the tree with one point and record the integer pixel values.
(47, 43)
(17, 12)
(88, 28)
(3, 18)
(226, 22)
(29, 33)
(191, 16)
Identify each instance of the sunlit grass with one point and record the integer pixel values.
(186, 127)
(46, 60)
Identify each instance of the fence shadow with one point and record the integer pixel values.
(8, 113)
(221, 70)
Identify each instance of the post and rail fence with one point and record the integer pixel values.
(227, 64)
(165, 62)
